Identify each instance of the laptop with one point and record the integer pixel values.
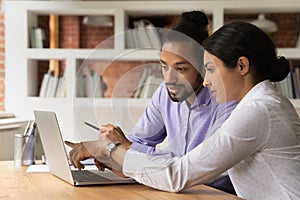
(57, 157)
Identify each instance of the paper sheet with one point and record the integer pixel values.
(38, 168)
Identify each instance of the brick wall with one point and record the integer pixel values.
(2, 59)
(287, 33)
(69, 32)
(91, 36)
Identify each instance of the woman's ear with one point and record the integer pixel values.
(243, 65)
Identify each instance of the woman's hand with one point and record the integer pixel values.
(101, 167)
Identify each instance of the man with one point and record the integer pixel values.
(181, 112)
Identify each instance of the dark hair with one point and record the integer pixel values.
(238, 39)
(191, 27)
(192, 24)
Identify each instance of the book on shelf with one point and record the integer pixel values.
(44, 85)
(32, 38)
(298, 41)
(80, 86)
(290, 86)
(131, 39)
(143, 35)
(138, 91)
(99, 86)
(295, 82)
(147, 87)
(61, 87)
(53, 85)
(283, 87)
(148, 84)
(153, 35)
(37, 37)
(89, 84)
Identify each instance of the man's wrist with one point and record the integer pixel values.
(110, 147)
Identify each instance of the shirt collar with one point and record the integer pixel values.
(257, 90)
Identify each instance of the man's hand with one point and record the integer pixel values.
(114, 134)
(97, 149)
(84, 150)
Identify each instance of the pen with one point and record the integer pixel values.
(91, 125)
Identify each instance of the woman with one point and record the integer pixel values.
(259, 144)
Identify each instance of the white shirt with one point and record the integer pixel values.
(259, 144)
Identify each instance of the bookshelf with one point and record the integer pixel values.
(22, 60)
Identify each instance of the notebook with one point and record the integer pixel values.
(57, 157)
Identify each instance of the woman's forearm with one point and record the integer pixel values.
(118, 155)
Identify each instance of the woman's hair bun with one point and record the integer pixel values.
(198, 18)
(280, 69)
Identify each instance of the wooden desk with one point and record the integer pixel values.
(17, 184)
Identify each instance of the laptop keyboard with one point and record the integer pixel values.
(88, 176)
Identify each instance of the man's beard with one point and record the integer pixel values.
(186, 94)
(180, 98)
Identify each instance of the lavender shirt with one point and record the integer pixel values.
(182, 126)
